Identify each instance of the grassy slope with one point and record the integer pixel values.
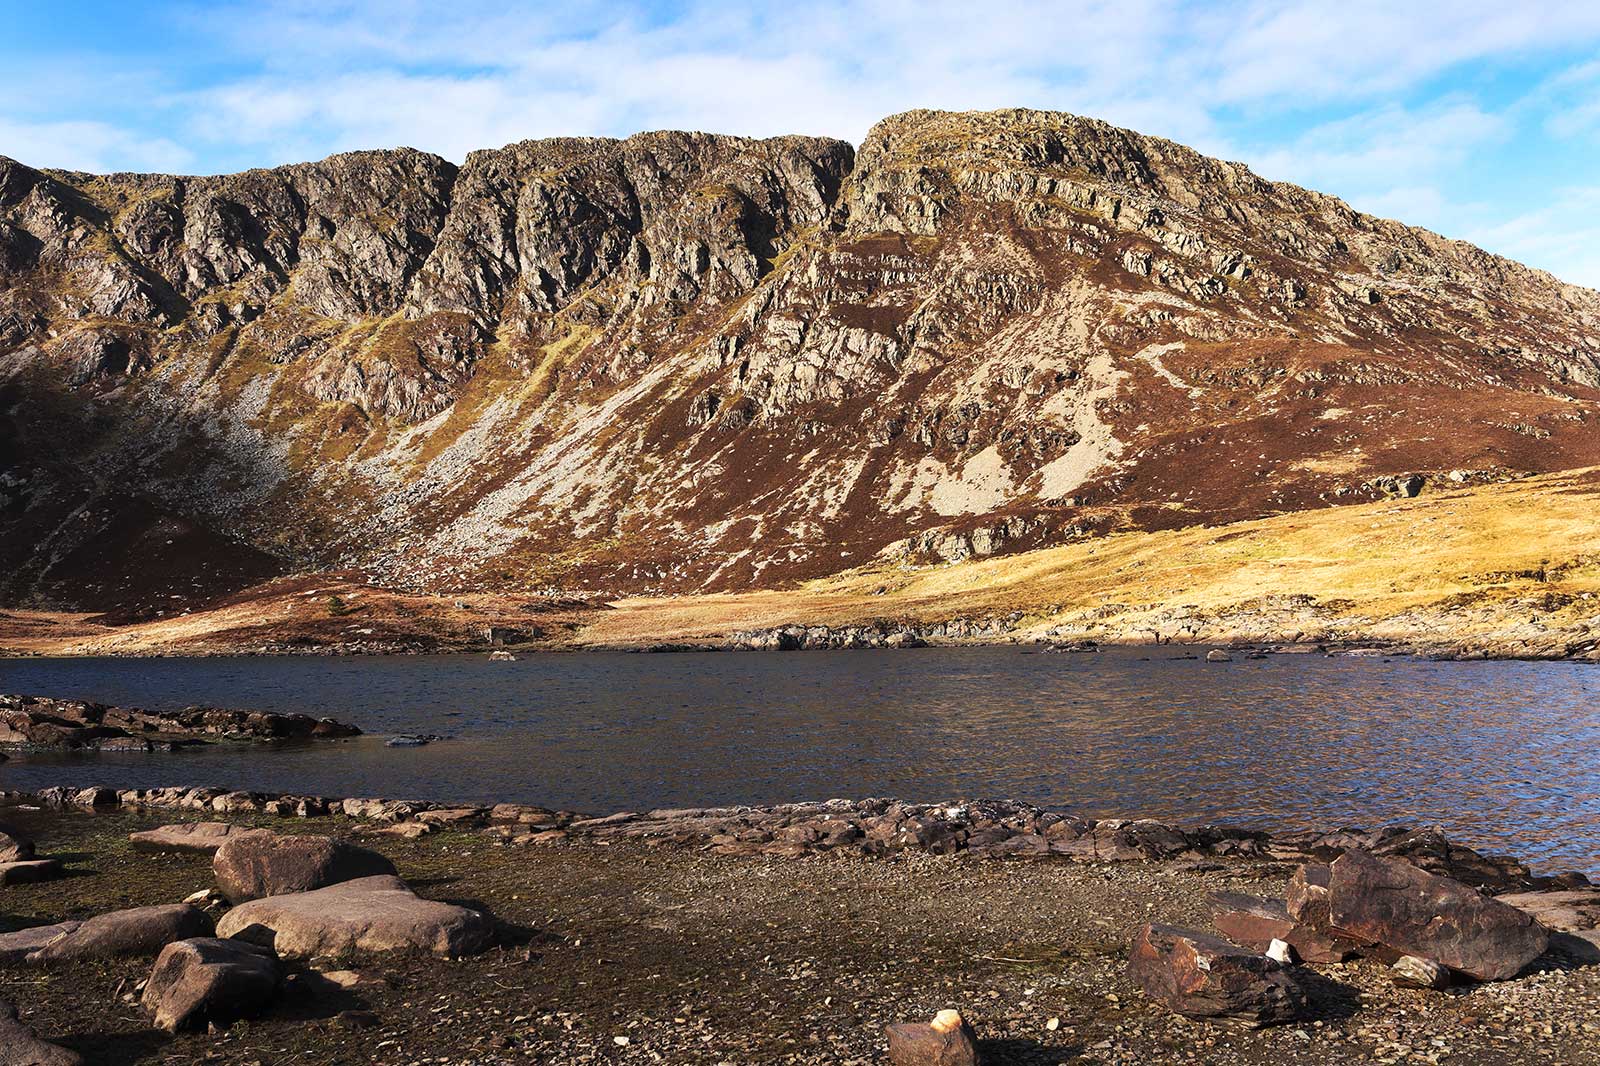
(1483, 566)
(1370, 566)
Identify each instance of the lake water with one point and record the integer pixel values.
(1504, 755)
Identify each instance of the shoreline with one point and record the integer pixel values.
(971, 828)
(614, 950)
(1446, 651)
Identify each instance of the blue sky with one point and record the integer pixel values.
(1480, 120)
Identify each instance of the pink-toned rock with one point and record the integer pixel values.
(371, 914)
(252, 865)
(17, 946)
(136, 931)
(1254, 923)
(207, 981)
(1389, 902)
(948, 1040)
(1202, 976)
(196, 838)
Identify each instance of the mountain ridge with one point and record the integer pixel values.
(679, 362)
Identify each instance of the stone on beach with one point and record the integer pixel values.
(20, 1047)
(252, 865)
(1205, 977)
(1391, 903)
(1254, 922)
(371, 914)
(136, 931)
(206, 980)
(196, 838)
(948, 1040)
(1409, 971)
(17, 946)
(30, 871)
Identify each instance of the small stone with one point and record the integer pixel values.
(946, 1041)
(1281, 951)
(1217, 655)
(1411, 971)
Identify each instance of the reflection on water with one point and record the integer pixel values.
(1505, 755)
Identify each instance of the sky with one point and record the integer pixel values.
(1480, 120)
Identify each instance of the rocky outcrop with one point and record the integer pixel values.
(192, 838)
(948, 1040)
(42, 723)
(681, 361)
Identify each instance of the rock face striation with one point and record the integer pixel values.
(681, 361)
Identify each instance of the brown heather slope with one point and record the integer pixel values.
(682, 363)
(1508, 570)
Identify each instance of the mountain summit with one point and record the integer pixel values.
(682, 362)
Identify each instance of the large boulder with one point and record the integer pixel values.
(205, 980)
(19, 1047)
(946, 1041)
(193, 838)
(1391, 903)
(1205, 977)
(371, 914)
(253, 865)
(17, 946)
(1254, 923)
(137, 931)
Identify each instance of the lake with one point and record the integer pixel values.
(1504, 755)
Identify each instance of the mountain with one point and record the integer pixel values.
(687, 363)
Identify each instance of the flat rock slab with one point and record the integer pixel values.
(206, 981)
(1205, 977)
(20, 1047)
(138, 931)
(190, 838)
(1389, 902)
(30, 871)
(254, 865)
(17, 946)
(1566, 911)
(370, 914)
(1253, 922)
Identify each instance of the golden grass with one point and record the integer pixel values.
(1443, 566)
(1375, 561)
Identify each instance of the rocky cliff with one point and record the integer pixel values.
(686, 362)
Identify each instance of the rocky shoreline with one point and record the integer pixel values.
(42, 723)
(1149, 888)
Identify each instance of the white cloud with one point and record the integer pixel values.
(1561, 236)
(92, 146)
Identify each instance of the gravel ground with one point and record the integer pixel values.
(625, 953)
